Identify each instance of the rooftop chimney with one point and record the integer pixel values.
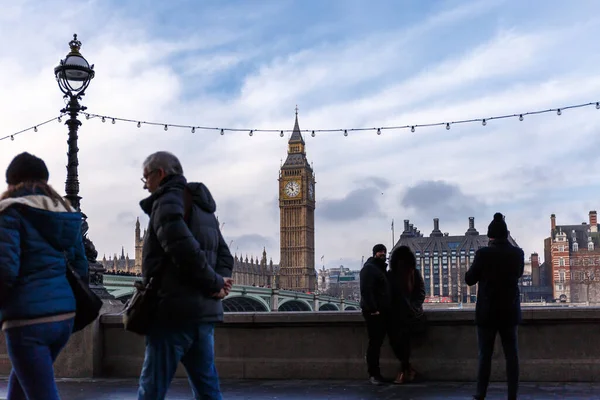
(410, 228)
(472, 231)
(406, 225)
(553, 222)
(593, 221)
(436, 228)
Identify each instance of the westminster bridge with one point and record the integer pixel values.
(249, 298)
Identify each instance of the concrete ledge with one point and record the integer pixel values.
(557, 344)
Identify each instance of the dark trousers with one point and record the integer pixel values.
(378, 327)
(32, 350)
(486, 337)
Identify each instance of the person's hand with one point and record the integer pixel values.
(228, 284)
(221, 294)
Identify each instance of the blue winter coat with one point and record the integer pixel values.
(35, 233)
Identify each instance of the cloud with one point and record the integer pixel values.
(247, 66)
(439, 198)
(253, 242)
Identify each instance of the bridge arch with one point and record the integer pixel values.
(329, 307)
(294, 305)
(350, 308)
(244, 304)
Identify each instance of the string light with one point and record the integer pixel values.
(166, 128)
(34, 128)
(251, 133)
(412, 127)
(312, 134)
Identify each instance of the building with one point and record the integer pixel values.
(297, 218)
(255, 272)
(339, 281)
(124, 264)
(573, 253)
(444, 259)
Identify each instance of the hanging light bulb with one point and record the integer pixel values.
(312, 134)
(345, 132)
(113, 121)
(379, 131)
(166, 128)
(193, 129)
(412, 129)
(222, 132)
(448, 126)
(139, 125)
(87, 116)
(251, 133)
(59, 119)
(558, 112)
(103, 119)
(281, 133)
(12, 137)
(521, 117)
(35, 128)
(597, 105)
(484, 122)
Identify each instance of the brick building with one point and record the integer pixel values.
(573, 252)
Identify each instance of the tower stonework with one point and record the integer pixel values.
(139, 244)
(297, 218)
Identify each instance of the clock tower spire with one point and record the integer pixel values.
(297, 217)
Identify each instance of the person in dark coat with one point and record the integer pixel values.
(408, 295)
(497, 269)
(193, 266)
(375, 303)
(39, 232)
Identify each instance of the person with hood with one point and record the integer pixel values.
(497, 269)
(39, 232)
(193, 265)
(408, 294)
(375, 303)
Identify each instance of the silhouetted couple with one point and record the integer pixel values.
(391, 302)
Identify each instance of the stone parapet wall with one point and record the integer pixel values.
(556, 343)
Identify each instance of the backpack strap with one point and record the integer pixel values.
(187, 204)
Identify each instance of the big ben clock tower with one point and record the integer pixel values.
(297, 218)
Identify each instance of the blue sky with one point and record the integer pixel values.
(346, 64)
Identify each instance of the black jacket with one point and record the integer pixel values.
(374, 287)
(497, 268)
(405, 305)
(193, 257)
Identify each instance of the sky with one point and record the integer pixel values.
(345, 64)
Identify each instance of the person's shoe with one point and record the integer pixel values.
(376, 380)
(411, 374)
(400, 378)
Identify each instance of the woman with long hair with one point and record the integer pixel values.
(39, 232)
(408, 295)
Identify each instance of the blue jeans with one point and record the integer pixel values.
(194, 347)
(486, 337)
(32, 350)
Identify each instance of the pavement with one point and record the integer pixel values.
(125, 389)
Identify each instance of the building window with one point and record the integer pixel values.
(591, 246)
(561, 248)
(561, 276)
(561, 262)
(575, 246)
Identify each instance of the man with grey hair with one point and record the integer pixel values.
(189, 261)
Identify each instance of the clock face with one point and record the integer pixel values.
(311, 191)
(292, 189)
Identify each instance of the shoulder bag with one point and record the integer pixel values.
(88, 304)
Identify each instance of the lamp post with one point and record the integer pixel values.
(74, 75)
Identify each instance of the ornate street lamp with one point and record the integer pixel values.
(74, 75)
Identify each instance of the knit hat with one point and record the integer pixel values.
(497, 228)
(379, 247)
(26, 168)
